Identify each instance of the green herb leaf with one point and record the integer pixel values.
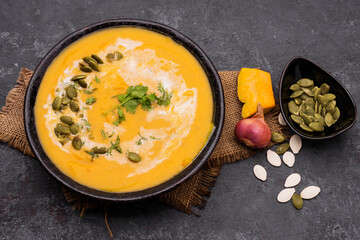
(87, 124)
(139, 142)
(131, 105)
(85, 108)
(90, 100)
(97, 80)
(115, 146)
(155, 138)
(165, 97)
(103, 133)
(93, 155)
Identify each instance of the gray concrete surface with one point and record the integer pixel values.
(234, 34)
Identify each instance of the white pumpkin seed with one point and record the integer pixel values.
(282, 120)
(295, 143)
(260, 172)
(310, 192)
(289, 158)
(292, 180)
(285, 195)
(273, 158)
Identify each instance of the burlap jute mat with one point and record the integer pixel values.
(192, 192)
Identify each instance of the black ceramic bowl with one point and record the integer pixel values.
(218, 117)
(298, 68)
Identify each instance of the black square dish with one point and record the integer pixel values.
(298, 68)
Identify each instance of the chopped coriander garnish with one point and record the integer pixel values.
(155, 138)
(137, 95)
(103, 133)
(164, 99)
(139, 142)
(97, 80)
(90, 100)
(115, 146)
(87, 124)
(109, 136)
(85, 108)
(93, 155)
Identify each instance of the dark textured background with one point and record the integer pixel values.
(234, 34)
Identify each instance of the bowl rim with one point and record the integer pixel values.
(200, 159)
(282, 108)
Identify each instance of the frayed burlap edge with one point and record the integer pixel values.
(11, 110)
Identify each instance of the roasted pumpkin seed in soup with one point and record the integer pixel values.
(312, 107)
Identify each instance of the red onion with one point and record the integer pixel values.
(254, 132)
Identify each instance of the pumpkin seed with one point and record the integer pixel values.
(296, 94)
(302, 108)
(320, 119)
(63, 141)
(63, 129)
(329, 120)
(285, 195)
(329, 97)
(78, 77)
(297, 201)
(85, 68)
(74, 106)
(88, 59)
(289, 158)
(306, 128)
(110, 57)
(292, 180)
(317, 127)
(293, 108)
(282, 148)
(320, 109)
(330, 108)
(305, 82)
(308, 92)
(273, 158)
(82, 83)
(306, 118)
(297, 119)
(260, 172)
(323, 101)
(57, 132)
(324, 88)
(310, 103)
(336, 114)
(310, 192)
(295, 143)
(97, 58)
(71, 92)
(313, 119)
(277, 137)
(67, 120)
(281, 120)
(74, 129)
(309, 111)
(56, 104)
(76, 143)
(295, 87)
(99, 150)
(65, 100)
(94, 65)
(317, 93)
(304, 96)
(323, 111)
(316, 107)
(298, 101)
(134, 157)
(117, 56)
(314, 89)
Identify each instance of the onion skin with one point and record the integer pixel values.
(254, 132)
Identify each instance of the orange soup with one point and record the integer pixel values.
(123, 109)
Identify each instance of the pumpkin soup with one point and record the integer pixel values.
(123, 109)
